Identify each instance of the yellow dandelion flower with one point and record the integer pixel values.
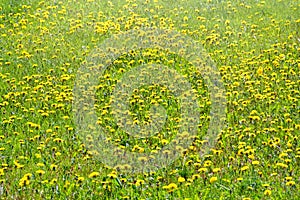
(94, 174)
(181, 180)
(213, 179)
(266, 185)
(80, 179)
(172, 186)
(239, 179)
(24, 182)
(255, 162)
(57, 154)
(37, 155)
(27, 176)
(282, 165)
(195, 176)
(215, 170)
(40, 172)
(244, 168)
(53, 167)
(49, 131)
(53, 181)
(267, 192)
(260, 71)
(112, 175)
(202, 169)
(67, 183)
(290, 183)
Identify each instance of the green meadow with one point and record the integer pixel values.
(44, 45)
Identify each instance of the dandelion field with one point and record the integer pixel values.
(255, 46)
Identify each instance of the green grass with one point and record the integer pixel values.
(254, 44)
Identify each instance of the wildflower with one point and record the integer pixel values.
(181, 180)
(53, 181)
(266, 185)
(267, 192)
(27, 176)
(244, 168)
(239, 179)
(53, 167)
(213, 179)
(203, 169)
(37, 155)
(255, 162)
(57, 154)
(112, 175)
(172, 186)
(49, 131)
(18, 165)
(207, 163)
(123, 180)
(195, 176)
(290, 183)
(260, 71)
(67, 183)
(215, 170)
(281, 165)
(40, 164)
(139, 182)
(80, 179)
(57, 140)
(94, 174)
(24, 182)
(40, 172)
